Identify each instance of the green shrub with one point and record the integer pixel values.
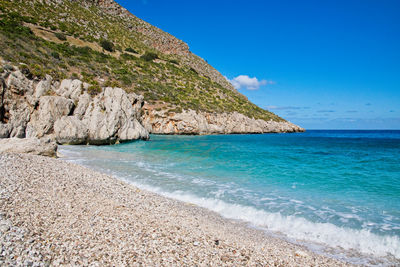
(112, 83)
(127, 57)
(60, 36)
(83, 51)
(62, 26)
(37, 71)
(126, 80)
(55, 55)
(12, 26)
(130, 49)
(74, 76)
(149, 56)
(45, 24)
(29, 19)
(173, 61)
(118, 48)
(107, 45)
(121, 71)
(94, 90)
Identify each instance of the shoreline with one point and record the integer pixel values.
(73, 215)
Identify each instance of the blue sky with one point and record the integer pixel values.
(321, 64)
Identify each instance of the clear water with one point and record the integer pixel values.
(337, 188)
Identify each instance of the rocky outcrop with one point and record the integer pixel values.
(65, 112)
(43, 147)
(192, 122)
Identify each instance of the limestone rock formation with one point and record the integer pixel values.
(43, 147)
(70, 130)
(192, 122)
(65, 112)
(110, 116)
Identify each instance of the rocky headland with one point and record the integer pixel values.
(199, 122)
(74, 112)
(90, 72)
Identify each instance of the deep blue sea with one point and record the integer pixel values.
(334, 188)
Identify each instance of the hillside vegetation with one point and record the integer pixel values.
(102, 44)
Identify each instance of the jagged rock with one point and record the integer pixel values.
(4, 130)
(110, 117)
(137, 103)
(66, 113)
(19, 84)
(70, 130)
(83, 103)
(43, 86)
(16, 94)
(51, 108)
(44, 147)
(17, 113)
(71, 89)
(192, 122)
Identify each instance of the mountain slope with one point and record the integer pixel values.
(101, 43)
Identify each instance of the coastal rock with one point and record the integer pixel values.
(43, 86)
(70, 130)
(43, 147)
(51, 108)
(110, 117)
(17, 83)
(192, 122)
(4, 130)
(83, 103)
(65, 112)
(70, 89)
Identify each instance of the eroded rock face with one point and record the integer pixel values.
(192, 122)
(70, 130)
(43, 147)
(51, 108)
(110, 115)
(65, 112)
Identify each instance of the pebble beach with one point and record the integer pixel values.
(57, 213)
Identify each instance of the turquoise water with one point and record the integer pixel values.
(336, 188)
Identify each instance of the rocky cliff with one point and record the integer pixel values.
(67, 111)
(197, 122)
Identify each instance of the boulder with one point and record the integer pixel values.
(43, 87)
(70, 130)
(44, 147)
(71, 89)
(83, 103)
(51, 108)
(19, 84)
(65, 112)
(110, 117)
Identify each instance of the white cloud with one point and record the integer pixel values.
(244, 81)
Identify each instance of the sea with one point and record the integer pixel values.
(336, 192)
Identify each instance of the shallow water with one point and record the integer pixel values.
(337, 188)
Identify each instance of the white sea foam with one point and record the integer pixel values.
(296, 228)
